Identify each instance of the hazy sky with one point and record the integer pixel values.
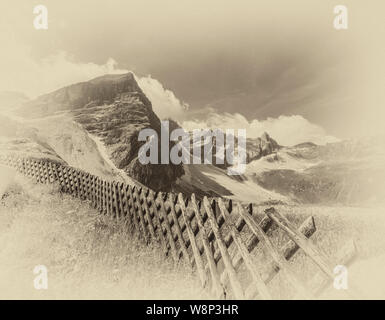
(257, 58)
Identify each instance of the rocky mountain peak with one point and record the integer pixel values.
(102, 90)
(261, 146)
(113, 110)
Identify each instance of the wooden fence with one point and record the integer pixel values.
(215, 235)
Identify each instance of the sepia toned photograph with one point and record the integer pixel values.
(168, 150)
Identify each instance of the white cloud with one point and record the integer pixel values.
(165, 104)
(287, 130)
(23, 73)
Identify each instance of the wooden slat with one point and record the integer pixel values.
(100, 197)
(250, 260)
(111, 198)
(215, 278)
(306, 244)
(251, 242)
(99, 194)
(194, 246)
(133, 210)
(108, 197)
(182, 244)
(168, 227)
(140, 213)
(286, 269)
(117, 201)
(157, 221)
(104, 196)
(307, 228)
(235, 284)
(148, 214)
(120, 198)
(81, 185)
(126, 207)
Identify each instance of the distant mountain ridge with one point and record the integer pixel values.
(94, 126)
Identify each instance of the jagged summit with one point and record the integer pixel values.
(260, 147)
(98, 91)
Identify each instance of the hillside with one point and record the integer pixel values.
(91, 256)
(87, 255)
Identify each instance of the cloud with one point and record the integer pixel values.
(287, 130)
(164, 102)
(23, 73)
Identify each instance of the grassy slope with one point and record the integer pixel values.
(87, 255)
(335, 227)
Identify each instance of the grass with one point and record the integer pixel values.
(335, 227)
(90, 256)
(87, 255)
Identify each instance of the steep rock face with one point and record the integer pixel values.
(113, 109)
(260, 147)
(97, 92)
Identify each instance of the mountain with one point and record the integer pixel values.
(260, 147)
(255, 147)
(347, 172)
(94, 126)
(112, 110)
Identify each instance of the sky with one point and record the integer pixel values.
(265, 65)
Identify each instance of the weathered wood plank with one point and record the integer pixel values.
(286, 269)
(148, 214)
(182, 243)
(140, 213)
(193, 242)
(133, 210)
(306, 244)
(168, 227)
(249, 260)
(215, 278)
(160, 230)
(307, 228)
(235, 284)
